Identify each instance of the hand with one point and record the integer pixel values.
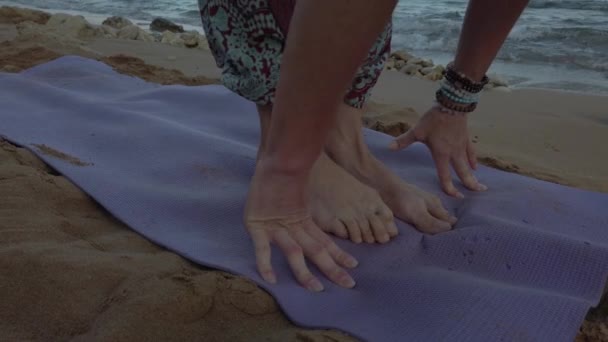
(447, 137)
(277, 212)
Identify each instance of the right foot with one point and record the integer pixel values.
(343, 206)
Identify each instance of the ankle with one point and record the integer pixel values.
(354, 156)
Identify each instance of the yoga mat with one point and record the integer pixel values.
(525, 262)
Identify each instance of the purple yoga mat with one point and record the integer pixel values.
(524, 263)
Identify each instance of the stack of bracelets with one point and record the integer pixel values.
(458, 93)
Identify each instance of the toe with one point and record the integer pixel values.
(366, 230)
(339, 229)
(426, 223)
(354, 232)
(387, 217)
(379, 229)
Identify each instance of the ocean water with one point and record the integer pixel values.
(557, 44)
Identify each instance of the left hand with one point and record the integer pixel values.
(447, 137)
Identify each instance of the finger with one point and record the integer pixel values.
(353, 230)
(380, 229)
(295, 258)
(403, 141)
(261, 244)
(429, 224)
(438, 211)
(386, 216)
(341, 257)
(471, 155)
(316, 252)
(466, 176)
(442, 163)
(366, 231)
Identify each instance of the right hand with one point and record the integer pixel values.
(277, 212)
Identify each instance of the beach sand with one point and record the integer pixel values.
(68, 270)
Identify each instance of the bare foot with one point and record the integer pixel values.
(409, 203)
(339, 203)
(345, 207)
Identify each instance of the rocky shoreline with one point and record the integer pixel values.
(425, 68)
(33, 23)
(75, 28)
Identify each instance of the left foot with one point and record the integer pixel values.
(409, 203)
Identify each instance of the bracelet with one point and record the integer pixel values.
(461, 81)
(458, 95)
(445, 101)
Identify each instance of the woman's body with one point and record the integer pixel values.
(314, 172)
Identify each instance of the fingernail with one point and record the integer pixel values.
(459, 195)
(482, 187)
(272, 278)
(315, 285)
(394, 145)
(348, 282)
(453, 219)
(352, 262)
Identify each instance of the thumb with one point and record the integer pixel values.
(403, 141)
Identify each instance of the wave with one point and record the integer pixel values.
(591, 5)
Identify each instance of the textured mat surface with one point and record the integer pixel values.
(525, 262)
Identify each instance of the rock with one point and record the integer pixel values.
(16, 15)
(427, 70)
(9, 68)
(133, 32)
(109, 31)
(73, 26)
(497, 81)
(436, 73)
(117, 22)
(415, 61)
(399, 64)
(172, 38)
(130, 32)
(401, 55)
(390, 64)
(157, 36)
(162, 25)
(410, 69)
(190, 39)
(145, 36)
(427, 63)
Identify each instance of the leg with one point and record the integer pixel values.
(339, 203)
(348, 149)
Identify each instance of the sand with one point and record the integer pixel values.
(69, 271)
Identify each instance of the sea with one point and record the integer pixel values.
(556, 44)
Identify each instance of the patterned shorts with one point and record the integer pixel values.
(247, 38)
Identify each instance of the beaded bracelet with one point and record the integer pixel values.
(445, 101)
(461, 81)
(458, 95)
